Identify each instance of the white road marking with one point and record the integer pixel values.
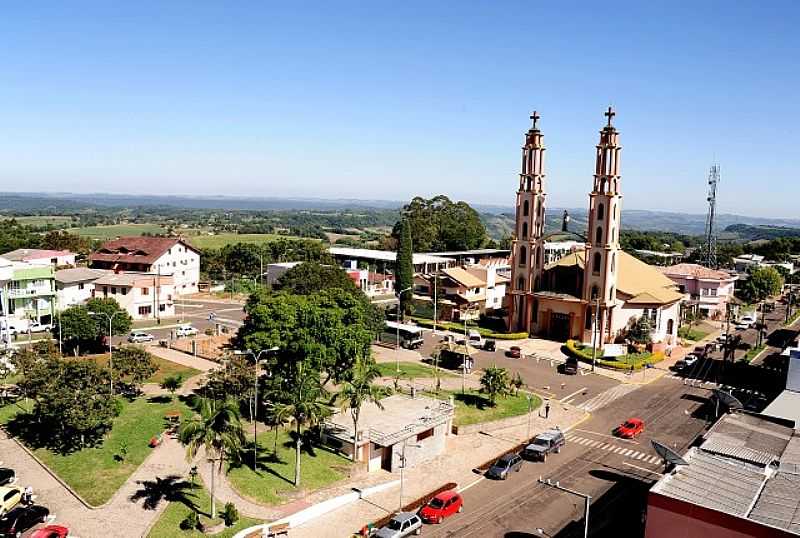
(568, 396)
(640, 468)
(640, 455)
(614, 437)
(476, 481)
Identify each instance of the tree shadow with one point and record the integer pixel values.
(264, 456)
(173, 488)
(162, 399)
(39, 434)
(473, 400)
(309, 440)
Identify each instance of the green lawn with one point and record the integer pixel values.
(691, 334)
(40, 220)
(473, 407)
(273, 481)
(753, 352)
(117, 230)
(410, 370)
(220, 240)
(93, 472)
(167, 368)
(168, 525)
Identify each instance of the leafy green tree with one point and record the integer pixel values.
(133, 365)
(359, 388)
(78, 329)
(762, 283)
(107, 306)
(640, 330)
(172, 383)
(495, 382)
(303, 401)
(438, 224)
(404, 267)
(233, 380)
(312, 277)
(217, 429)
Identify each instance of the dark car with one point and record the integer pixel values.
(7, 476)
(22, 518)
(503, 466)
(514, 352)
(490, 345)
(571, 366)
(543, 444)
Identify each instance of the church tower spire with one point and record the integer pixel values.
(527, 251)
(602, 246)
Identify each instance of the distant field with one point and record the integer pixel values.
(35, 220)
(117, 230)
(220, 240)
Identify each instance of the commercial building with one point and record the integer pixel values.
(384, 260)
(410, 428)
(35, 256)
(142, 295)
(29, 294)
(165, 256)
(709, 290)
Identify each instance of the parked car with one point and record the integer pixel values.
(22, 518)
(722, 338)
(139, 337)
(36, 327)
(7, 476)
(475, 339)
(547, 442)
(571, 366)
(402, 524)
(686, 362)
(514, 352)
(185, 330)
(490, 345)
(444, 505)
(503, 466)
(51, 531)
(10, 496)
(630, 429)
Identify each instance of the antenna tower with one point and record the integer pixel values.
(711, 236)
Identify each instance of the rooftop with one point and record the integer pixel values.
(385, 255)
(78, 274)
(26, 254)
(464, 277)
(142, 249)
(131, 279)
(694, 270)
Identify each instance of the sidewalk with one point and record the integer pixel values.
(182, 358)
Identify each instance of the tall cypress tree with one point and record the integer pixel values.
(404, 267)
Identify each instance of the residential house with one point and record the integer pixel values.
(29, 294)
(75, 286)
(276, 270)
(384, 260)
(709, 290)
(142, 295)
(413, 429)
(167, 256)
(36, 256)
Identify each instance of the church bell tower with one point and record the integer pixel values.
(602, 246)
(527, 250)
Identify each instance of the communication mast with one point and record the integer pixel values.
(710, 257)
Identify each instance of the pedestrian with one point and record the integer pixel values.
(27, 495)
(547, 410)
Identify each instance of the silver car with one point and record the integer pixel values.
(138, 337)
(402, 524)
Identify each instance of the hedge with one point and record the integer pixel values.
(637, 360)
(459, 328)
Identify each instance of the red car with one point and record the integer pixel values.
(514, 352)
(630, 428)
(443, 505)
(51, 531)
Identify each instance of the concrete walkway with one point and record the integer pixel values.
(182, 358)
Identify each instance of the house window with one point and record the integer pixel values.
(145, 291)
(81, 285)
(424, 435)
(113, 290)
(162, 307)
(596, 263)
(713, 292)
(145, 310)
(123, 291)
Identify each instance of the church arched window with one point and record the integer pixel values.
(596, 263)
(598, 236)
(525, 229)
(611, 293)
(523, 255)
(601, 211)
(613, 259)
(520, 283)
(525, 208)
(536, 257)
(535, 310)
(588, 324)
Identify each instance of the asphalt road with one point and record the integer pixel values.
(593, 462)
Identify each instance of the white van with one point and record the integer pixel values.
(475, 339)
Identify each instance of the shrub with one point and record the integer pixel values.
(637, 360)
(230, 515)
(190, 522)
(508, 336)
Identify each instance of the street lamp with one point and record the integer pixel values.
(403, 466)
(530, 409)
(257, 359)
(110, 357)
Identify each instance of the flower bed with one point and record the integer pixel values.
(637, 360)
(459, 328)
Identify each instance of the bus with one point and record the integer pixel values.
(410, 335)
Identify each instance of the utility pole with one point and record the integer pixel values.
(587, 499)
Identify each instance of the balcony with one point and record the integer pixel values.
(21, 293)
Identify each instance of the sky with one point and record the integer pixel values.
(388, 100)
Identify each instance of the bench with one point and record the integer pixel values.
(281, 529)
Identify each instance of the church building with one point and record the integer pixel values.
(596, 289)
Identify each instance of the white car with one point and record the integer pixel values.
(185, 330)
(36, 327)
(139, 337)
(475, 339)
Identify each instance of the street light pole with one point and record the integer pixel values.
(257, 360)
(110, 355)
(397, 326)
(530, 405)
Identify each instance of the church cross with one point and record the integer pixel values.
(610, 114)
(535, 117)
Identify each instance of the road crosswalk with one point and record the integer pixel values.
(636, 455)
(605, 398)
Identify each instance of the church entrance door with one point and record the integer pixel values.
(559, 326)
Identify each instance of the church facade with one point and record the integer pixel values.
(597, 289)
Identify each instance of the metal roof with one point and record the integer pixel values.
(385, 255)
(779, 503)
(719, 445)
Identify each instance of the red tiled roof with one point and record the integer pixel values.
(696, 271)
(142, 249)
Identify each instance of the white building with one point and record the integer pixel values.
(36, 256)
(76, 285)
(167, 256)
(142, 295)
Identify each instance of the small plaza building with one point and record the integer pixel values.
(410, 429)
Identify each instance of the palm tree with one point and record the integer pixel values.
(218, 429)
(358, 388)
(172, 384)
(303, 402)
(495, 382)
